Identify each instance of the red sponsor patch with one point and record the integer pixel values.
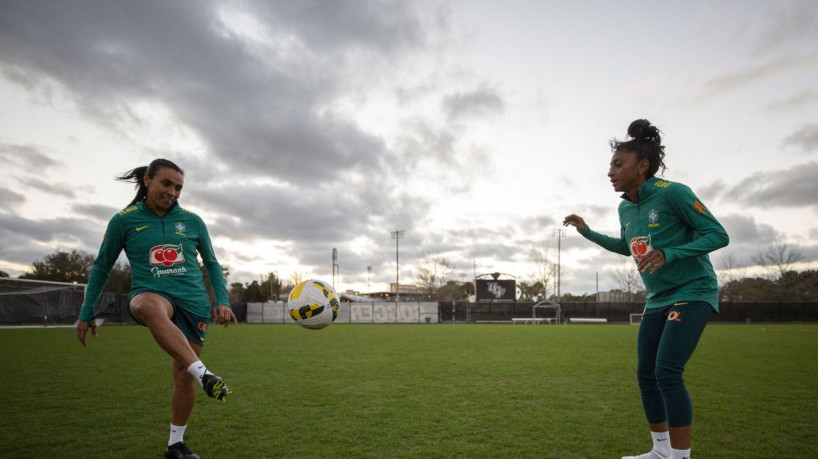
(166, 255)
(640, 245)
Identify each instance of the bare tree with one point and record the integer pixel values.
(779, 258)
(627, 277)
(297, 277)
(543, 269)
(730, 271)
(433, 272)
(730, 268)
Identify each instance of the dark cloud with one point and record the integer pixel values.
(95, 211)
(805, 138)
(793, 187)
(25, 240)
(57, 189)
(795, 101)
(479, 102)
(786, 24)
(25, 157)
(745, 232)
(810, 252)
(9, 200)
(725, 83)
(712, 191)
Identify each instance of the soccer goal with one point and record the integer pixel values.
(547, 305)
(636, 318)
(44, 303)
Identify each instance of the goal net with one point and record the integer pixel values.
(33, 302)
(636, 318)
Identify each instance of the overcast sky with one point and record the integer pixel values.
(475, 126)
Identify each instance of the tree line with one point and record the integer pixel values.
(434, 278)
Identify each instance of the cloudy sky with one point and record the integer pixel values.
(475, 126)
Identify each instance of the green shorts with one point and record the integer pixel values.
(194, 327)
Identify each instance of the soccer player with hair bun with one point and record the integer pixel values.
(669, 233)
(161, 240)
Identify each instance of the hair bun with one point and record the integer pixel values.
(642, 131)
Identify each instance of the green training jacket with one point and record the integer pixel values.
(669, 217)
(162, 253)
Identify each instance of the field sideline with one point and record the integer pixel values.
(413, 391)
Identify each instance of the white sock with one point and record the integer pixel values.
(177, 434)
(680, 454)
(661, 443)
(197, 369)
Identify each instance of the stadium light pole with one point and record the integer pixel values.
(559, 233)
(334, 265)
(397, 235)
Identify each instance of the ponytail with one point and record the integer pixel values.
(137, 176)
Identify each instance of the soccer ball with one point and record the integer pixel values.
(313, 304)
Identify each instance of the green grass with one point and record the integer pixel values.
(413, 391)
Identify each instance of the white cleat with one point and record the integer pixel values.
(650, 455)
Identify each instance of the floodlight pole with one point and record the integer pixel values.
(559, 233)
(397, 235)
(335, 268)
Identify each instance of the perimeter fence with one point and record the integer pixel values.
(734, 312)
(58, 304)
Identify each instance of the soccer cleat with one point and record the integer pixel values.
(651, 455)
(180, 451)
(214, 387)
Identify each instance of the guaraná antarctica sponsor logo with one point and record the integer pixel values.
(167, 255)
(640, 246)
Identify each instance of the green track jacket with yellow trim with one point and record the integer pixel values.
(162, 253)
(669, 217)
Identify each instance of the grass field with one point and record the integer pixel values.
(419, 391)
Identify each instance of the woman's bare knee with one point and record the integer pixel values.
(150, 307)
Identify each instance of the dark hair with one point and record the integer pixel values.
(646, 142)
(137, 176)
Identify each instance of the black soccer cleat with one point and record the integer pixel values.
(214, 387)
(180, 451)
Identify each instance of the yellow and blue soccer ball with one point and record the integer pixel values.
(313, 304)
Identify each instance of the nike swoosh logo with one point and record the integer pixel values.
(627, 224)
(661, 439)
(140, 228)
(679, 304)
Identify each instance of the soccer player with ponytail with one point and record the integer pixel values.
(161, 240)
(669, 233)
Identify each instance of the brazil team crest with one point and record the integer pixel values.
(653, 218)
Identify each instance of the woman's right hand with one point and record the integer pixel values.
(82, 330)
(575, 221)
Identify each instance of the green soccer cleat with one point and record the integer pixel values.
(180, 451)
(214, 387)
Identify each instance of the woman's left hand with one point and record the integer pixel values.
(651, 261)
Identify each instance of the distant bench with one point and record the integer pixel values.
(531, 320)
(587, 320)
